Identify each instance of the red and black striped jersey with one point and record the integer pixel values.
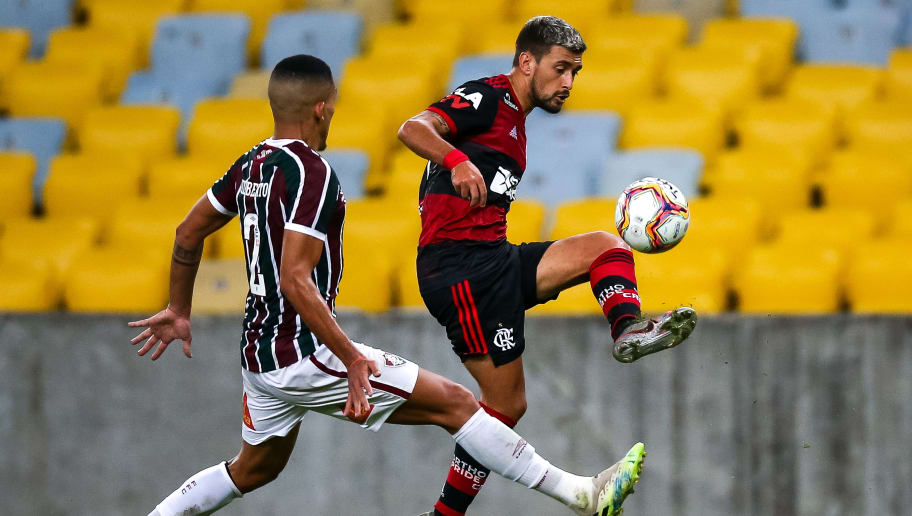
(281, 185)
(487, 123)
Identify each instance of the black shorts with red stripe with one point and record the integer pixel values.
(480, 291)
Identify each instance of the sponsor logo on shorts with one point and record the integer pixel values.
(248, 421)
(503, 339)
(392, 360)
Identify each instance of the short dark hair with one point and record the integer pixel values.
(541, 33)
(302, 67)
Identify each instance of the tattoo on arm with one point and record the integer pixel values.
(439, 123)
(187, 257)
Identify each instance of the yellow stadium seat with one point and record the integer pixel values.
(147, 132)
(137, 18)
(840, 88)
(785, 126)
(14, 46)
(722, 79)
(851, 181)
(116, 281)
(406, 92)
(688, 275)
(774, 38)
(776, 182)
(401, 185)
(409, 42)
(496, 39)
(48, 242)
(468, 13)
(899, 74)
(575, 301)
(883, 127)
(74, 90)
(90, 185)
(732, 225)
(583, 216)
(184, 177)
(251, 85)
(879, 276)
(615, 79)
(227, 243)
(16, 171)
(584, 16)
(837, 229)
(659, 32)
(221, 287)
(674, 124)
(113, 51)
(27, 287)
(147, 224)
(259, 12)
(783, 280)
(367, 281)
(225, 129)
(363, 126)
(899, 223)
(408, 296)
(525, 221)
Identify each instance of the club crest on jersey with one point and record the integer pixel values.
(503, 339)
(504, 183)
(508, 100)
(392, 360)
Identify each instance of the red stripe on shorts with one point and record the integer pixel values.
(468, 318)
(462, 318)
(484, 344)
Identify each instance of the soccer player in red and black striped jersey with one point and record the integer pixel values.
(474, 282)
(294, 357)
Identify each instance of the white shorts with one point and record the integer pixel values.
(275, 401)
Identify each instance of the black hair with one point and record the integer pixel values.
(302, 67)
(541, 33)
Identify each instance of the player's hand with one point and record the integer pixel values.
(469, 183)
(359, 387)
(162, 328)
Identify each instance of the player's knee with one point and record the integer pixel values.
(252, 474)
(604, 241)
(461, 405)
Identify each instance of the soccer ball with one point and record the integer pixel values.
(652, 215)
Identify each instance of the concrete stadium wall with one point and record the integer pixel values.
(763, 416)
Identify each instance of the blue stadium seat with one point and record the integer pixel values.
(478, 66)
(181, 91)
(40, 17)
(333, 36)
(565, 153)
(351, 166)
(850, 35)
(42, 137)
(682, 167)
(201, 45)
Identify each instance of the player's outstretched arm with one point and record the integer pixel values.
(174, 321)
(300, 254)
(424, 134)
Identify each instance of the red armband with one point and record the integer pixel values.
(454, 158)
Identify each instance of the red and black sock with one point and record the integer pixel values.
(466, 477)
(613, 282)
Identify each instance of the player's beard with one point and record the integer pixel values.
(323, 136)
(548, 103)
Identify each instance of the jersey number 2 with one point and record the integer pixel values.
(252, 232)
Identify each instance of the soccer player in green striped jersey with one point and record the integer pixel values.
(294, 357)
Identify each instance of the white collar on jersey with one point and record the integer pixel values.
(282, 142)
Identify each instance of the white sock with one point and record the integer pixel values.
(503, 451)
(203, 493)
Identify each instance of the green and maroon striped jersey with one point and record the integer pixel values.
(278, 186)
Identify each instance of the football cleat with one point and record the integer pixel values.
(613, 485)
(647, 336)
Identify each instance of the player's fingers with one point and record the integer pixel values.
(141, 337)
(373, 369)
(147, 346)
(159, 350)
(482, 191)
(473, 188)
(135, 324)
(187, 348)
(347, 410)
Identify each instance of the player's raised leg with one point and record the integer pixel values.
(607, 262)
(436, 400)
(215, 487)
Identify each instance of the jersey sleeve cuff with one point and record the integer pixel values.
(446, 118)
(306, 230)
(217, 205)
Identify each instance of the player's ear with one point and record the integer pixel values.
(527, 63)
(320, 109)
